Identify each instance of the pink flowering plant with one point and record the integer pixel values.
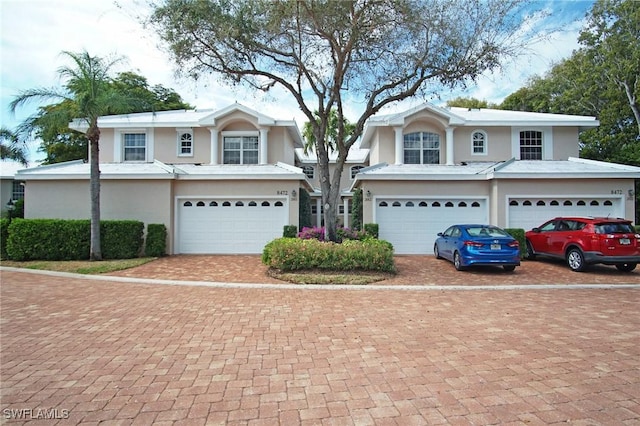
(318, 233)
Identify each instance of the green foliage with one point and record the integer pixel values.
(290, 231)
(356, 210)
(470, 103)
(11, 148)
(372, 229)
(518, 234)
(121, 239)
(4, 235)
(156, 242)
(304, 209)
(57, 239)
(293, 254)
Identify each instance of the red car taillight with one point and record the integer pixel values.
(473, 244)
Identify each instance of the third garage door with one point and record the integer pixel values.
(412, 225)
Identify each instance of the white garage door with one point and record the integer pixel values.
(229, 226)
(527, 213)
(412, 225)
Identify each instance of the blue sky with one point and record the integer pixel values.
(34, 32)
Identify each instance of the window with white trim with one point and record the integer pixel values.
(309, 171)
(530, 145)
(355, 170)
(185, 143)
(240, 150)
(17, 192)
(422, 148)
(134, 146)
(478, 143)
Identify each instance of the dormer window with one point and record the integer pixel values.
(422, 148)
(240, 149)
(185, 143)
(530, 145)
(478, 143)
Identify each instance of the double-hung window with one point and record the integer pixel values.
(135, 146)
(530, 145)
(240, 150)
(422, 148)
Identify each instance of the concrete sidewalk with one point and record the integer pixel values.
(109, 352)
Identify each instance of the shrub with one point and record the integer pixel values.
(290, 231)
(4, 234)
(518, 234)
(291, 254)
(121, 239)
(156, 242)
(356, 209)
(48, 239)
(57, 239)
(371, 229)
(313, 233)
(304, 209)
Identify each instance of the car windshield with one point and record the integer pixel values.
(614, 228)
(486, 231)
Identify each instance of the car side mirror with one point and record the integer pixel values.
(440, 234)
(536, 230)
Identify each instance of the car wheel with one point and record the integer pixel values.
(509, 268)
(529, 253)
(436, 252)
(457, 262)
(575, 260)
(626, 267)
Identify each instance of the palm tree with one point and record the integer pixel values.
(11, 148)
(87, 86)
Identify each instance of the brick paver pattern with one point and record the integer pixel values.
(102, 352)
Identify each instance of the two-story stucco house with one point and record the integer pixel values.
(227, 181)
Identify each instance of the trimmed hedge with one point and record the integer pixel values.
(292, 254)
(4, 235)
(156, 243)
(372, 229)
(57, 239)
(518, 234)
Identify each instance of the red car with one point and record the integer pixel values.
(583, 241)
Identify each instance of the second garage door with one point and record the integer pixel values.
(528, 212)
(412, 225)
(229, 226)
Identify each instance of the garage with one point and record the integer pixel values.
(529, 212)
(412, 224)
(229, 225)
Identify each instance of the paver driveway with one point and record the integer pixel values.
(111, 352)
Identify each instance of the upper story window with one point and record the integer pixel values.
(355, 170)
(134, 146)
(422, 148)
(310, 171)
(240, 150)
(185, 143)
(530, 145)
(479, 143)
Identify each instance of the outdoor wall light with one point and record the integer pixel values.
(368, 195)
(294, 194)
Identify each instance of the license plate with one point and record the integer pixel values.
(496, 246)
(625, 241)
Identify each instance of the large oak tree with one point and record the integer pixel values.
(324, 53)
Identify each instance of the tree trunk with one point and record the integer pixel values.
(93, 134)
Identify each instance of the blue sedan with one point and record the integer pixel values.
(467, 245)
